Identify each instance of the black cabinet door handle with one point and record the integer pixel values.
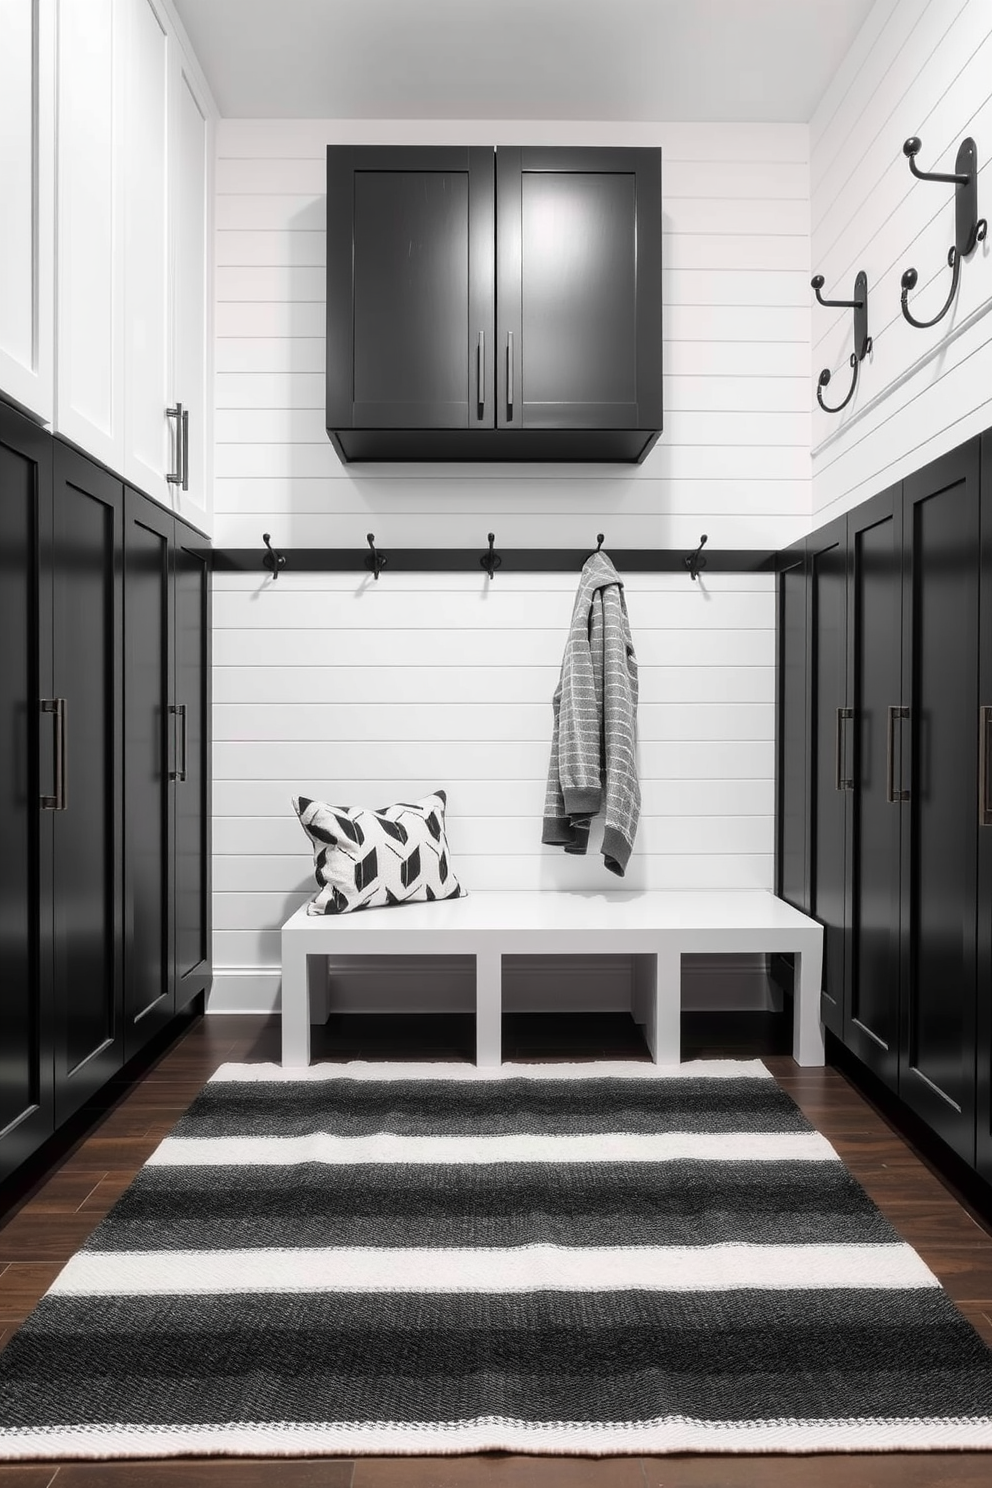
(509, 374)
(984, 726)
(841, 781)
(891, 794)
(178, 710)
(481, 373)
(57, 802)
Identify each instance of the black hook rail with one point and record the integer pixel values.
(969, 228)
(862, 340)
(510, 560)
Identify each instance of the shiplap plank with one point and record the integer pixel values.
(426, 583)
(474, 684)
(250, 759)
(303, 722)
(848, 77)
(239, 806)
(269, 354)
(286, 248)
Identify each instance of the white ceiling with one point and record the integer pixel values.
(719, 60)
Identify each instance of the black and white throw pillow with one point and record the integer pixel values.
(364, 858)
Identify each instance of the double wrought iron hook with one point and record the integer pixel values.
(862, 340)
(272, 560)
(491, 561)
(969, 228)
(376, 561)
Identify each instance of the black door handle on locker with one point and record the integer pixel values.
(841, 781)
(57, 802)
(892, 795)
(984, 753)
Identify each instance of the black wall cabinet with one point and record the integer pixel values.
(889, 670)
(67, 994)
(488, 305)
(166, 600)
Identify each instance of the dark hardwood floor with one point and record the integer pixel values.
(56, 1211)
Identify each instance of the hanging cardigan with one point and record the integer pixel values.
(592, 765)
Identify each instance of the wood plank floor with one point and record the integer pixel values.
(38, 1236)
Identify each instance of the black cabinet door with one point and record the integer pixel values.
(791, 711)
(937, 758)
(983, 1155)
(410, 293)
(829, 735)
(578, 260)
(27, 1111)
(191, 790)
(871, 1025)
(150, 764)
(84, 560)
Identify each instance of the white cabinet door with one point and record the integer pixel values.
(27, 54)
(89, 390)
(150, 445)
(191, 154)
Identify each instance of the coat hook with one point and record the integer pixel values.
(272, 560)
(862, 340)
(491, 561)
(598, 548)
(376, 561)
(969, 228)
(694, 562)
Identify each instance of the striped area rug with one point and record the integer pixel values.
(586, 1259)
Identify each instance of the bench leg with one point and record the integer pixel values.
(295, 1003)
(807, 1029)
(488, 1008)
(658, 991)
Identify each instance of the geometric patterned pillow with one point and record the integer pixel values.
(365, 858)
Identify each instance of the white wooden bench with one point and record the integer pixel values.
(656, 928)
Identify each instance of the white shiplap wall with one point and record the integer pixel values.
(352, 690)
(918, 67)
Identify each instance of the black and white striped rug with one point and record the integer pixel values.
(584, 1259)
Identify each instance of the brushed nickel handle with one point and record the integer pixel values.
(984, 805)
(184, 424)
(509, 374)
(178, 710)
(57, 802)
(480, 375)
(841, 782)
(175, 477)
(891, 794)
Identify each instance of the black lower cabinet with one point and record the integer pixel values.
(166, 597)
(897, 658)
(77, 910)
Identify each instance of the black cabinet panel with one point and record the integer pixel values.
(26, 1053)
(940, 737)
(493, 305)
(87, 848)
(149, 752)
(871, 1025)
(791, 768)
(983, 723)
(191, 872)
(829, 740)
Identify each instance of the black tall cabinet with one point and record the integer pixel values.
(84, 848)
(488, 304)
(897, 660)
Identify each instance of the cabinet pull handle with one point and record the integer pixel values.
(175, 477)
(509, 374)
(481, 373)
(184, 423)
(984, 805)
(58, 801)
(178, 710)
(841, 782)
(891, 794)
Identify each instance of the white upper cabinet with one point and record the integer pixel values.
(152, 440)
(27, 52)
(191, 140)
(89, 389)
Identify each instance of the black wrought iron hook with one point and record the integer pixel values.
(969, 228)
(597, 549)
(376, 561)
(491, 561)
(272, 560)
(862, 340)
(694, 562)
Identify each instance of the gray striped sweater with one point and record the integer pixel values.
(592, 765)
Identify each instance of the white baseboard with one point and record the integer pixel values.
(391, 984)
